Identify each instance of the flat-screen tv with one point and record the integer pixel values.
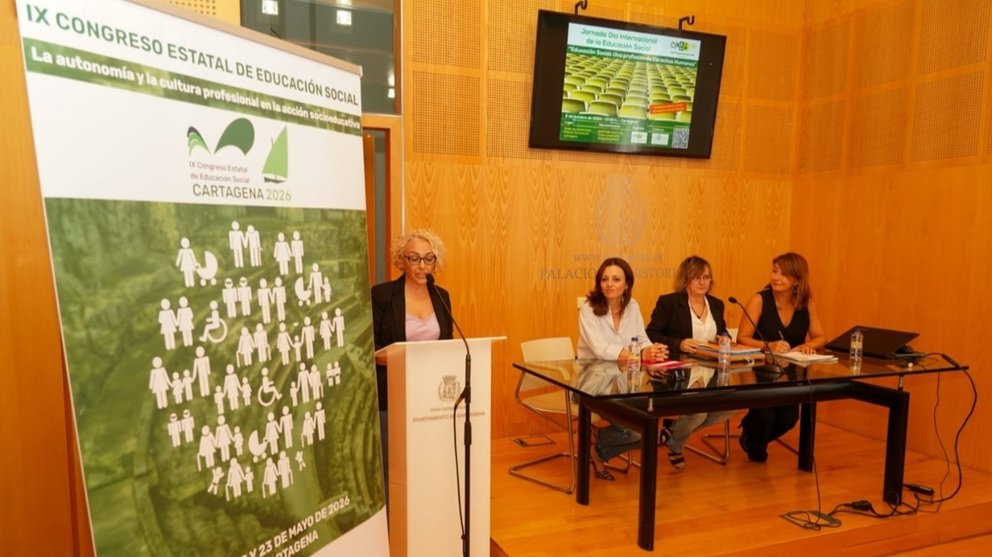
(605, 85)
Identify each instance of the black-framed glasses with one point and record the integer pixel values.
(416, 258)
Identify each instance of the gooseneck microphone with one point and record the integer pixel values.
(466, 396)
(770, 366)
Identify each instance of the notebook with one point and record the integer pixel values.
(878, 343)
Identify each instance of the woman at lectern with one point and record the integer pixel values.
(408, 308)
(608, 320)
(788, 320)
(683, 320)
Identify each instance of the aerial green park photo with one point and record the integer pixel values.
(220, 361)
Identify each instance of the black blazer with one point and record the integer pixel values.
(389, 321)
(671, 322)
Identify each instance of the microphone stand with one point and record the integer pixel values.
(466, 396)
(770, 367)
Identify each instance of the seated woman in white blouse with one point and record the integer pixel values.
(608, 319)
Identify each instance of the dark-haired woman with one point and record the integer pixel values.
(608, 320)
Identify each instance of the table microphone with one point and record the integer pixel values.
(768, 367)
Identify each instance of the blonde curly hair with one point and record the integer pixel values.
(400, 242)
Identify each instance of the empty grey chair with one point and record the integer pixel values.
(550, 403)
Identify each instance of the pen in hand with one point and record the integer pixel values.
(781, 336)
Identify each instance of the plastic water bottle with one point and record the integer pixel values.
(634, 357)
(723, 355)
(857, 347)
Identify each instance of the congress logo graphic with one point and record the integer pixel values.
(240, 135)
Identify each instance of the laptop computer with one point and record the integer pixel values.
(878, 343)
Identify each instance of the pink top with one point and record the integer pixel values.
(422, 329)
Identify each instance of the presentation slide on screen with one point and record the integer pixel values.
(628, 88)
(204, 197)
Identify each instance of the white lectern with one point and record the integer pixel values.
(425, 379)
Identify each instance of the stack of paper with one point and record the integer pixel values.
(800, 358)
(738, 352)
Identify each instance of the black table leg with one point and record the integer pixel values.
(649, 482)
(807, 435)
(897, 402)
(895, 448)
(582, 465)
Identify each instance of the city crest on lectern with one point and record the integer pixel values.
(449, 388)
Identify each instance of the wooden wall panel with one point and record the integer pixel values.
(819, 125)
(957, 33)
(772, 64)
(508, 119)
(768, 133)
(882, 38)
(943, 128)
(446, 112)
(899, 235)
(511, 43)
(877, 129)
(448, 33)
(825, 67)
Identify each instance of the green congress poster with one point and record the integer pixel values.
(203, 190)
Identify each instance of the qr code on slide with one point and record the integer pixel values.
(680, 138)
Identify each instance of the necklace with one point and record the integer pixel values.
(699, 313)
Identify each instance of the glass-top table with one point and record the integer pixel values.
(611, 380)
(638, 399)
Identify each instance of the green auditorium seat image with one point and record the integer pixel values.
(583, 95)
(573, 105)
(636, 100)
(602, 107)
(612, 98)
(594, 89)
(621, 92)
(631, 111)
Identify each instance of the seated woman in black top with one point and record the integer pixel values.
(788, 319)
(683, 320)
